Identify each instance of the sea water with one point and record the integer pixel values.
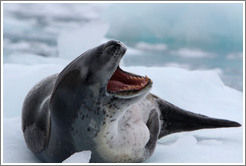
(194, 36)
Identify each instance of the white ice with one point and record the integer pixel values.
(79, 157)
(198, 91)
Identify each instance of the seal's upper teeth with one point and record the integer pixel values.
(146, 77)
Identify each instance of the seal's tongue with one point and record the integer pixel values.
(123, 81)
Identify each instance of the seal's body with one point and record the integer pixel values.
(94, 105)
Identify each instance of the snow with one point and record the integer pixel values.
(198, 91)
(205, 146)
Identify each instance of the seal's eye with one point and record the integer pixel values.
(124, 81)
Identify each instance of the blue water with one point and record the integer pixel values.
(214, 28)
(211, 32)
(211, 27)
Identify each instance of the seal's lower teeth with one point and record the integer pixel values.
(133, 87)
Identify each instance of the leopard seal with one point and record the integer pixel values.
(92, 104)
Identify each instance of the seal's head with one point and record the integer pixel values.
(122, 84)
(101, 65)
(94, 80)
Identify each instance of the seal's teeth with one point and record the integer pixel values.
(136, 78)
(133, 87)
(140, 78)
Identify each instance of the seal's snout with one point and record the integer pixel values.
(116, 43)
(113, 42)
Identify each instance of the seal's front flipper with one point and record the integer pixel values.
(175, 119)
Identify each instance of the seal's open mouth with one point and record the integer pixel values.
(122, 81)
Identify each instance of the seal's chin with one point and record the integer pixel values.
(126, 84)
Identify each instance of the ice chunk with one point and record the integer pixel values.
(79, 157)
